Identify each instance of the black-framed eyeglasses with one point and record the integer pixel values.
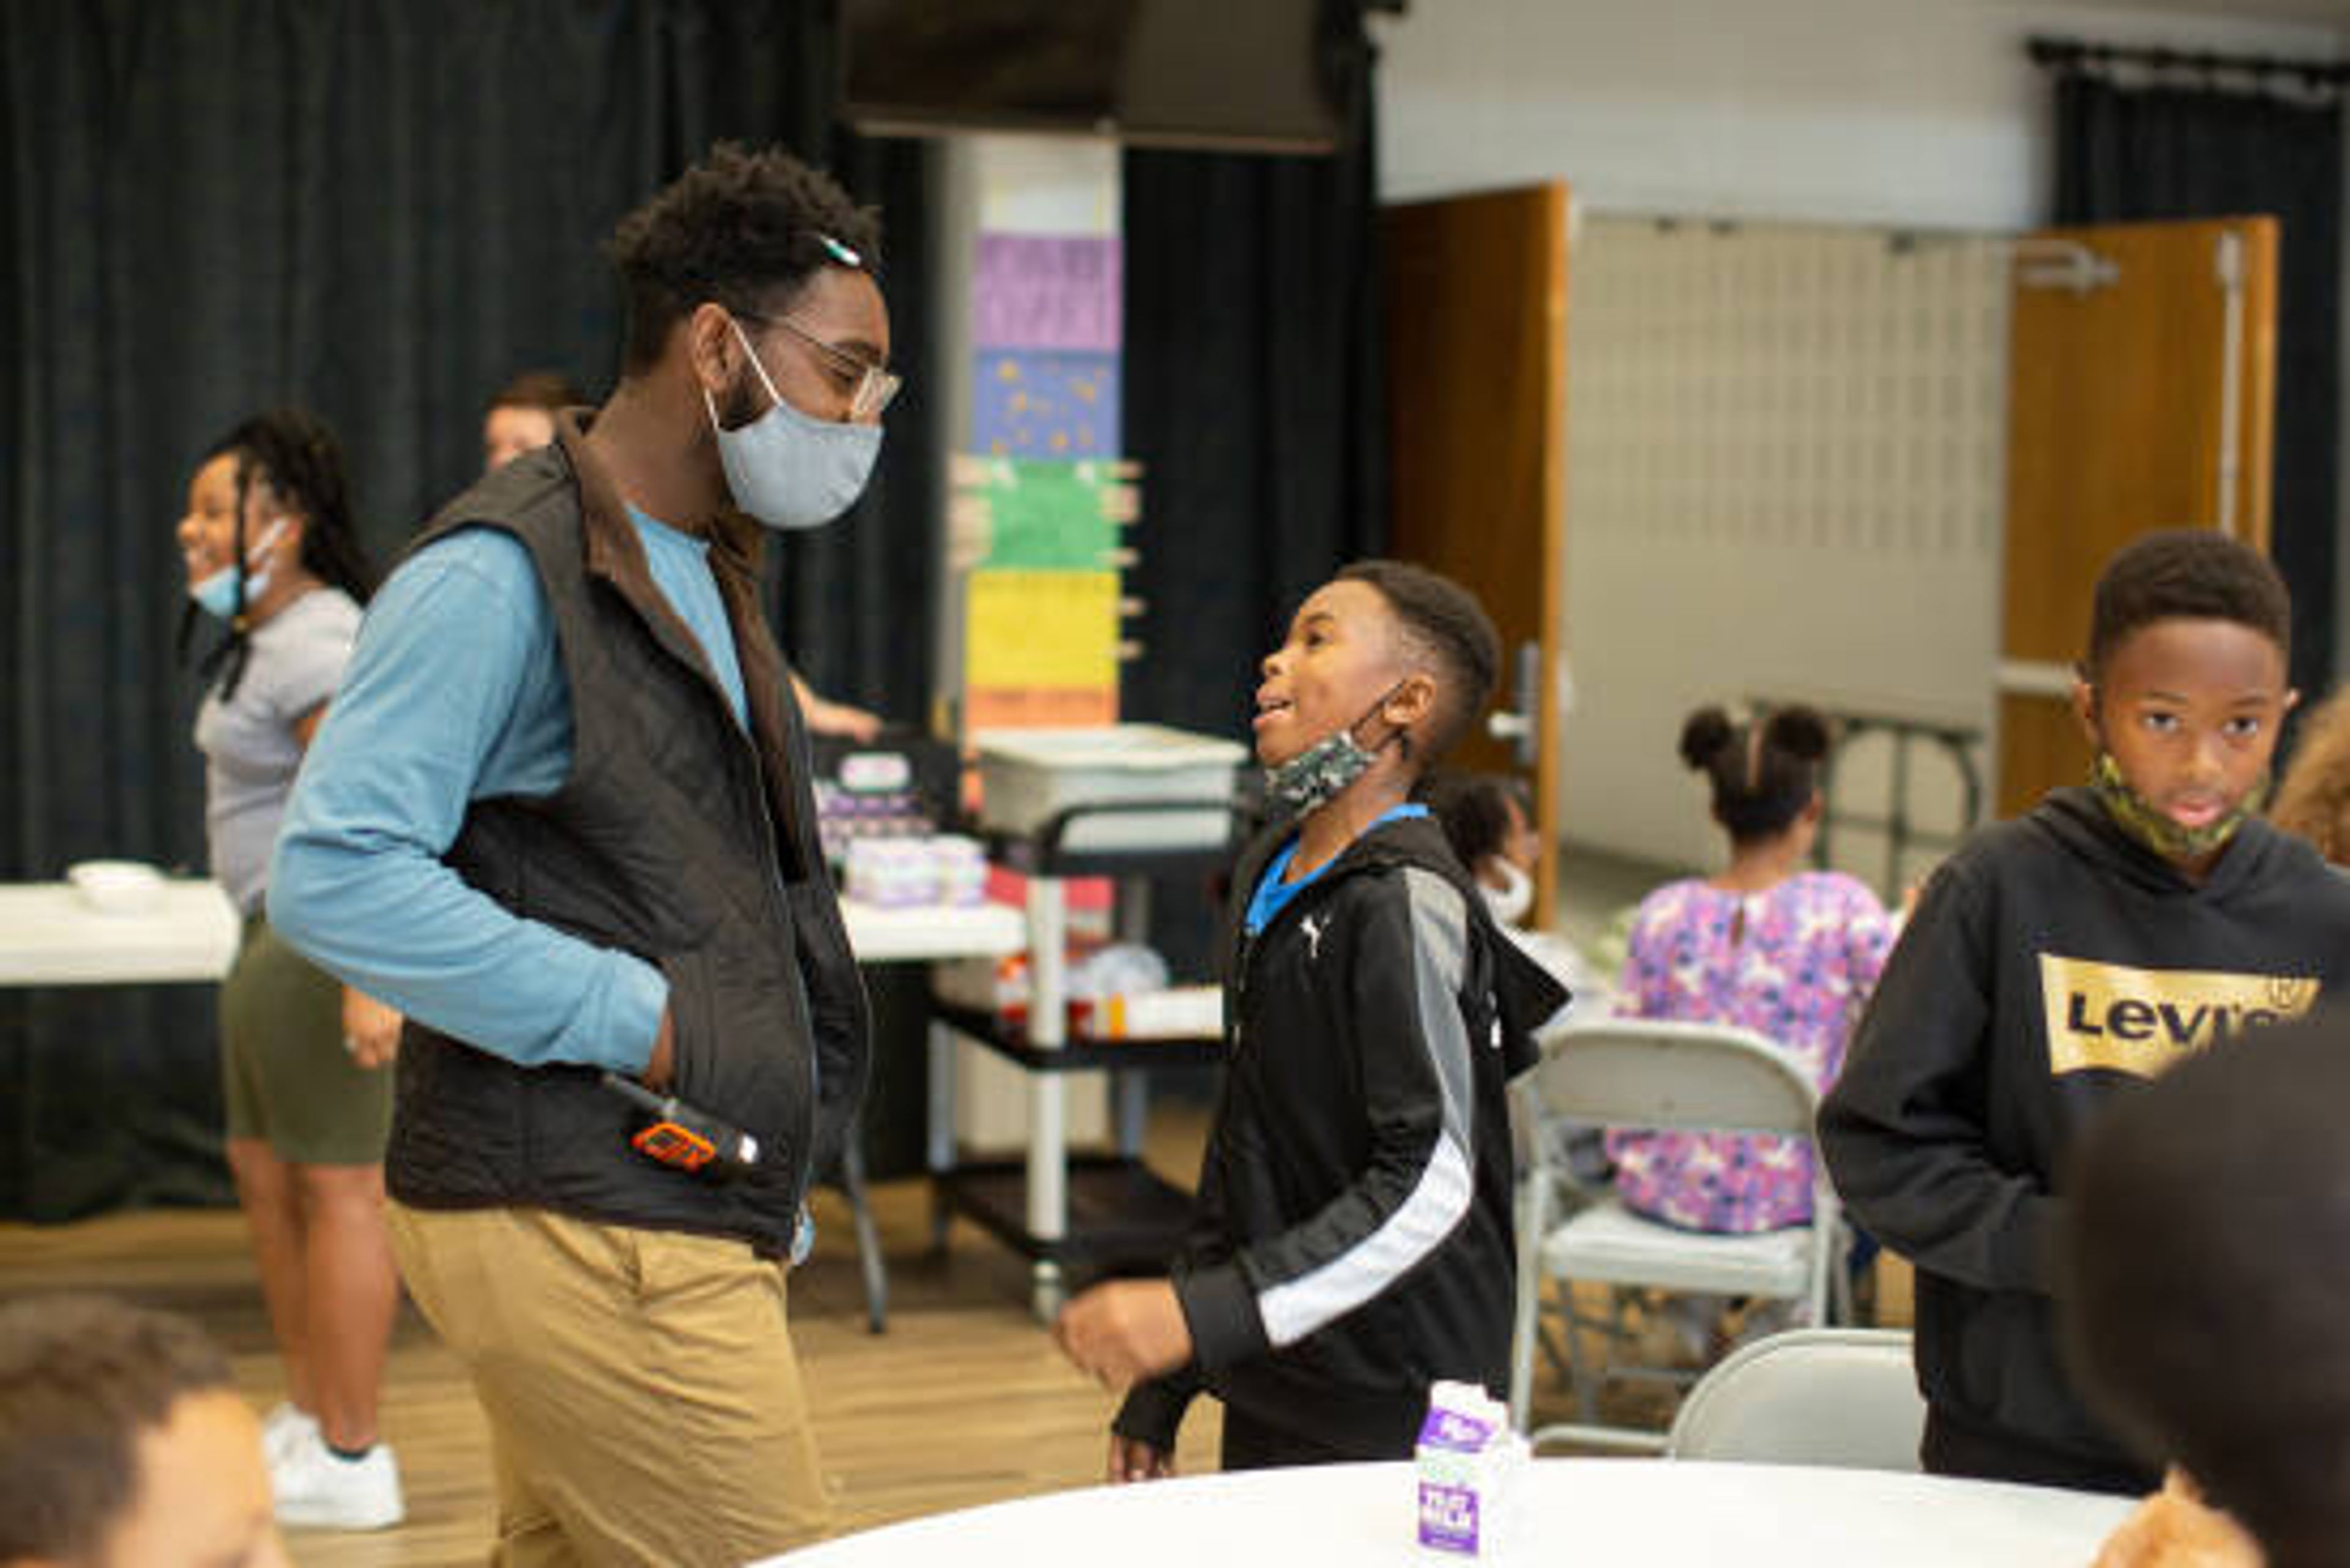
(875, 383)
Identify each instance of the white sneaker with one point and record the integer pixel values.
(318, 1491)
(285, 1429)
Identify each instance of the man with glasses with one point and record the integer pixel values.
(521, 419)
(559, 815)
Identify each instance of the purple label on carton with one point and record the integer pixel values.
(1448, 1518)
(1450, 1429)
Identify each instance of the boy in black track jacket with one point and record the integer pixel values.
(2061, 960)
(1352, 1240)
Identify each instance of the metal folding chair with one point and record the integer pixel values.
(1640, 1073)
(1844, 1397)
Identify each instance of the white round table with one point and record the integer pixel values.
(1653, 1512)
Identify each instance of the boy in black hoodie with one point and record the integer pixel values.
(2064, 959)
(1351, 1241)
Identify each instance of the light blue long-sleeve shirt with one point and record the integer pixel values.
(456, 693)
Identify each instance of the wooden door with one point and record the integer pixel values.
(2141, 391)
(1476, 360)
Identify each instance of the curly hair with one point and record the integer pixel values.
(1446, 628)
(1763, 771)
(297, 456)
(748, 229)
(2313, 800)
(2185, 574)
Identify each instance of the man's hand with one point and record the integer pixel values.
(1132, 1459)
(1122, 1333)
(661, 1067)
(370, 1030)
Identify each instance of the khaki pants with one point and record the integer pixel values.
(644, 1402)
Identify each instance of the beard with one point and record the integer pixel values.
(743, 401)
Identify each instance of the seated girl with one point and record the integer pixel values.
(1488, 819)
(1488, 822)
(1767, 945)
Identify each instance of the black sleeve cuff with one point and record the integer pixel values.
(1219, 1309)
(1153, 1411)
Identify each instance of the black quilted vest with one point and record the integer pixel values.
(676, 837)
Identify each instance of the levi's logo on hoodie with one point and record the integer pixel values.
(2142, 1021)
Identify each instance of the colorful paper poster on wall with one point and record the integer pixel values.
(1039, 708)
(1040, 630)
(1047, 291)
(1060, 516)
(1055, 405)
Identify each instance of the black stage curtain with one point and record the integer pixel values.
(1256, 401)
(1253, 398)
(2138, 142)
(380, 209)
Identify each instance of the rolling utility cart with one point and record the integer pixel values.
(1123, 804)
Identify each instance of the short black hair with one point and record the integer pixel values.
(1445, 625)
(548, 389)
(745, 228)
(81, 1377)
(2184, 573)
(1473, 809)
(1763, 771)
(2203, 1285)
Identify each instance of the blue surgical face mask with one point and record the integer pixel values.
(216, 594)
(790, 470)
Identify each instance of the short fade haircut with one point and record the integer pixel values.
(81, 1378)
(1444, 627)
(748, 229)
(2203, 1289)
(2185, 574)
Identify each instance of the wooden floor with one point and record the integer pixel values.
(963, 1400)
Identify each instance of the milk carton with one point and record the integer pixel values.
(1469, 1465)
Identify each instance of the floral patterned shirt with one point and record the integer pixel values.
(1793, 963)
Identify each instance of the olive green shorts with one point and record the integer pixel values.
(289, 1080)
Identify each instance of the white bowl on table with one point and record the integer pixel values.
(117, 887)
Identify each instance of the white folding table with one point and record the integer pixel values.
(51, 935)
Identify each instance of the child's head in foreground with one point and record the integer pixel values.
(2185, 689)
(2207, 1289)
(123, 1443)
(1385, 668)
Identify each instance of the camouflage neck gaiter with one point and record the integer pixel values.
(2137, 816)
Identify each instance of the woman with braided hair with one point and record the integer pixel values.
(273, 551)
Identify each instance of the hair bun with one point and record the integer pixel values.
(1703, 735)
(1799, 731)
